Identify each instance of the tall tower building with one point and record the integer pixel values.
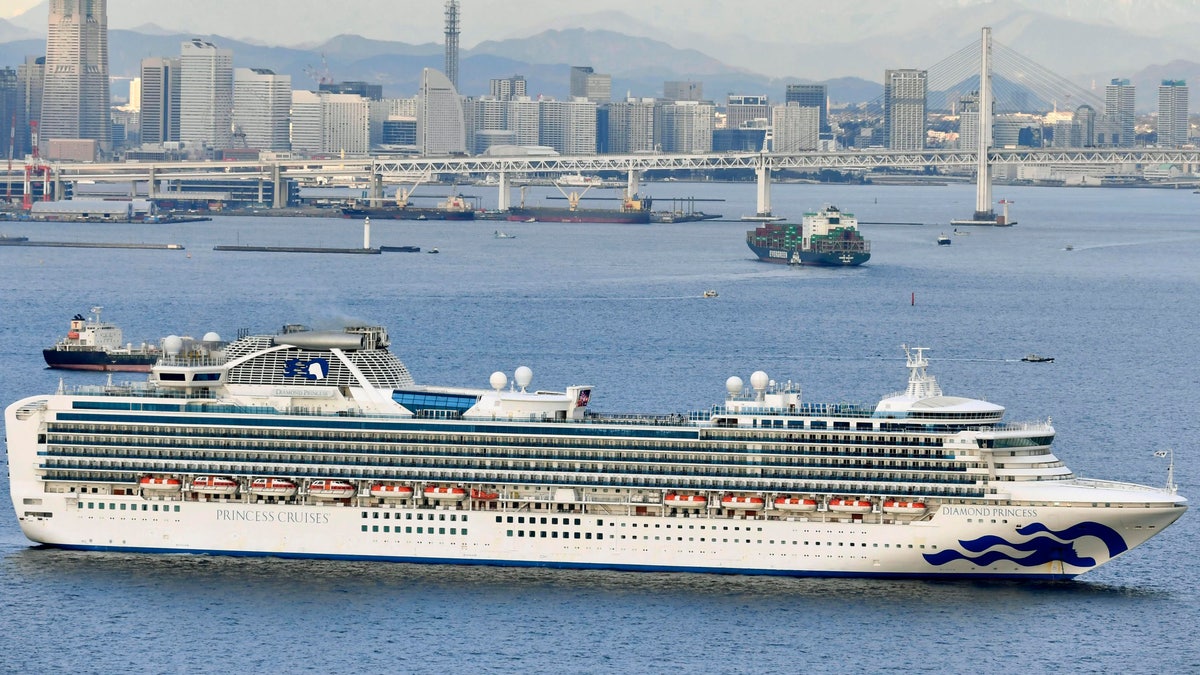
(587, 83)
(452, 43)
(206, 95)
(1172, 114)
(904, 108)
(795, 128)
(10, 103)
(1118, 108)
(683, 90)
(261, 101)
(307, 128)
(440, 125)
(30, 76)
(816, 95)
(75, 99)
(160, 100)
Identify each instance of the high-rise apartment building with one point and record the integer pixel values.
(631, 126)
(508, 88)
(205, 95)
(75, 98)
(262, 101)
(1085, 120)
(440, 126)
(816, 95)
(683, 90)
(587, 83)
(525, 120)
(968, 121)
(482, 116)
(743, 109)
(306, 123)
(1118, 108)
(345, 124)
(30, 76)
(1172, 114)
(795, 128)
(160, 100)
(686, 126)
(568, 126)
(904, 108)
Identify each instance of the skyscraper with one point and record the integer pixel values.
(904, 108)
(452, 42)
(795, 128)
(587, 83)
(440, 126)
(30, 77)
(160, 100)
(816, 95)
(686, 126)
(568, 126)
(261, 101)
(1118, 108)
(206, 95)
(631, 126)
(683, 90)
(1172, 114)
(75, 98)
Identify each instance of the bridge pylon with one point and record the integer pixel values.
(984, 213)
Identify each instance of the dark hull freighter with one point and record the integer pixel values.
(829, 238)
(92, 344)
(408, 213)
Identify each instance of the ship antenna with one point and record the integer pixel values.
(1170, 454)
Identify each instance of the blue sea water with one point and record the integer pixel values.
(620, 307)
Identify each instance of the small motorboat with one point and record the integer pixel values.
(504, 235)
(710, 293)
(943, 240)
(434, 250)
(1035, 358)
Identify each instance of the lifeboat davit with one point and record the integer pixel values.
(273, 487)
(850, 505)
(160, 484)
(795, 504)
(910, 508)
(324, 488)
(446, 494)
(742, 503)
(685, 501)
(394, 491)
(214, 485)
(484, 496)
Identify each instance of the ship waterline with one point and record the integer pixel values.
(921, 484)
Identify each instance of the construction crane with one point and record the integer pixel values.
(12, 141)
(321, 76)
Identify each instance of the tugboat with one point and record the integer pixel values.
(828, 237)
(91, 344)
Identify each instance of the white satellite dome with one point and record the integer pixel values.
(498, 380)
(523, 377)
(759, 380)
(734, 385)
(172, 345)
(211, 336)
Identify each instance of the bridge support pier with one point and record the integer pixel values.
(279, 190)
(504, 200)
(762, 172)
(375, 191)
(151, 181)
(634, 182)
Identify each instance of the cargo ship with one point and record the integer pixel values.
(634, 210)
(91, 344)
(320, 444)
(828, 237)
(454, 208)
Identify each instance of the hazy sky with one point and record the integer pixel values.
(292, 22)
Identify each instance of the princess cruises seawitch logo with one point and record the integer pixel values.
(309, 369)
(1052, 546)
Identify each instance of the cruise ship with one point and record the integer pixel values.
(319, 444)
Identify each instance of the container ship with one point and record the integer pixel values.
(91, 344)
(634, 210)
(454, 208)
(320, 444)
(828, 237)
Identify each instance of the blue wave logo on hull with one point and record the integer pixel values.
(1058, 546)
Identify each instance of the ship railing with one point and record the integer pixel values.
(192, 360)
(1118, 485)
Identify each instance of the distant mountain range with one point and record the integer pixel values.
(638, 64)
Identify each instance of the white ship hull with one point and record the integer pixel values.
(531, 479)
